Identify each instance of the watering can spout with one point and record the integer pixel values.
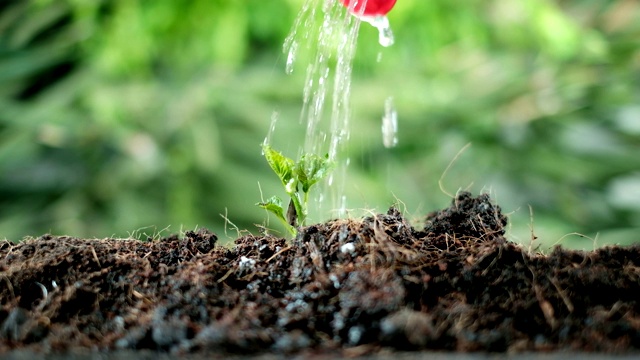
(374, 12)
(369, 8)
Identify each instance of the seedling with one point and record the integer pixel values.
(297, 179)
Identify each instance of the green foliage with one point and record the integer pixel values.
(274, 205)
(294, 176)
(310, 169)
(281, 165)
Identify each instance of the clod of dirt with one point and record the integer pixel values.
(355, 286)
(468, 218)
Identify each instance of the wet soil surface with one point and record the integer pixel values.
(348, 287)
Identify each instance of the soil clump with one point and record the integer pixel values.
(348, 286)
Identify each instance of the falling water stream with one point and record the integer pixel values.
(328, 29)
(390, 124)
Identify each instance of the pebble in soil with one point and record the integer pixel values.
(355, 286)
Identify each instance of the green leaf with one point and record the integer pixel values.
(311, 169)
(274, 204)
(280, 164)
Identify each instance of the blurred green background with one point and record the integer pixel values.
(131, 117)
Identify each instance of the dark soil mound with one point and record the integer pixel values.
(347, 285)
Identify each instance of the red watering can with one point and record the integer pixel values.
(369, 7)
(374, 12)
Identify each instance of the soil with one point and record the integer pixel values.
(347, 287)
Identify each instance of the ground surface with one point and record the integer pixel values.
(351, 287)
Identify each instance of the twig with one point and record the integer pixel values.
(563, 294)
(10, 287)
(278, 253)
(446, 170)
(95, 256)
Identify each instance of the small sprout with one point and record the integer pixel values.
(297, 179)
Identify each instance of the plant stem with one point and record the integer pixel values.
(300, 210)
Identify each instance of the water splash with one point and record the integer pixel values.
(390, 124)
(291, 43)
(328, 32)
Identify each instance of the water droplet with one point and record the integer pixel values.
(342, 211)
(272, 127)
(385, 34)
(390, 124)
(291, 57)
(290, 46)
